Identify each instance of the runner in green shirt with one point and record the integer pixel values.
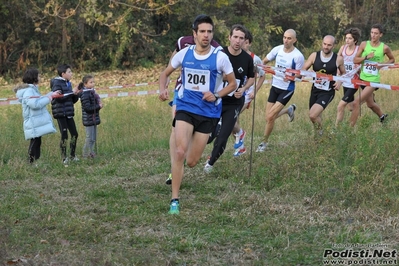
(369, 54)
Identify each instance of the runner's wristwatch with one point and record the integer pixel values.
(217, 96)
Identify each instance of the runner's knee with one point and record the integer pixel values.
(192, 162)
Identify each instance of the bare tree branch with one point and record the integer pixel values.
(57, 9)
(171, 3)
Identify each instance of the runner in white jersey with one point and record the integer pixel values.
(238, 132)
(348, 52)
(285, 56)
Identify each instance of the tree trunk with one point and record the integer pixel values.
(64, 41)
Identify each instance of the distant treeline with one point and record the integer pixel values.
(95, 35)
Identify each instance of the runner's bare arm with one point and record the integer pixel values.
(163, 83)
(389, 54)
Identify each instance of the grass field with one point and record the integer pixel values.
(302, 197)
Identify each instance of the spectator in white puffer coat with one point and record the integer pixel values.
(37, 119)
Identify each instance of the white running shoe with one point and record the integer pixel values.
(291, 112)
(208, 168)
(67, 160)
(261, 147)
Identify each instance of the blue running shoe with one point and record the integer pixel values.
(240, 151)
(174, 207)
(239, 139)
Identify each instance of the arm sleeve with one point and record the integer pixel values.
(35, 103)
(178, 44)
(86, 103)
(251, 73)
(55, 86)
(257, 61)
(178, 58)
(224, 64)
(273, 53)
(299, 61)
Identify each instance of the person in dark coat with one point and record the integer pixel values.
(91, 105)
(63, 110)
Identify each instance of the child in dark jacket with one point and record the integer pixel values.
(64, 111)
(91, 105)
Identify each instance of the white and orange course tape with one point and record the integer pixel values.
(11, 101)
(310, 75)
(383, 66)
